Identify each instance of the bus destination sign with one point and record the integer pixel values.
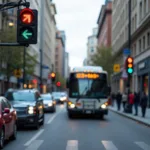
(87, 75)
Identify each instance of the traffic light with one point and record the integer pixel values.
(53, 76)
(27, 22)
(129, 65)
(58, 84)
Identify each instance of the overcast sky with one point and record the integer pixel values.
(77, 18)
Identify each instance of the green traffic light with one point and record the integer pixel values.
(130, 70)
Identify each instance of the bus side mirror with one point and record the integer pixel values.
(67, 83)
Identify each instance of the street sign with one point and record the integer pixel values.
(126, 52)
(17, 73)
(116, 68)
(124, 74)
(27, 22)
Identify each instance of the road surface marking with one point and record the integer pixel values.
(53, 117)
(143, 145)
(34, 137)
(72, 145)
(35, 145)
(109, 145)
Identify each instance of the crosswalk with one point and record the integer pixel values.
(74, 145)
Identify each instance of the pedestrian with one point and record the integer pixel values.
(112, 98)
(118, 99)
(124, 100)
(143, 103)
(131, 101)
(136, 102)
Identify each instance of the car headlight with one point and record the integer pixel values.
(63, 98)
(31, 110)
(50, 104)
(103, 106)
(72, 106)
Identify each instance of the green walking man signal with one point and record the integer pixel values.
(27, 25)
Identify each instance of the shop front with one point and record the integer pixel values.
(143, 73)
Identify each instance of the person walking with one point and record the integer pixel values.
(118, 99)
(112, 98)
(143, 103)
(131, 101)
(136, 102)
(124, 100)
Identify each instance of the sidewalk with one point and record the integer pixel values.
(138, 118)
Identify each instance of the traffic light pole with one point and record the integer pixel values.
(129, 44)
(24, 65)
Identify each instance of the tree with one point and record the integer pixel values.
(104, 58)
(11, 57)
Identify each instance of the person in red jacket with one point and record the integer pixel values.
(131, 100)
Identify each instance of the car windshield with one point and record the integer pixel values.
(46, 97)
(20, 96)
(56, 94)
(88, 88)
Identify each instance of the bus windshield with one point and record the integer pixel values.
(88, 88)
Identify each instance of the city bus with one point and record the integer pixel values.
(88, 91)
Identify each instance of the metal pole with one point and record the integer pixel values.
(41, 42)
(24, 66)
(129, 42)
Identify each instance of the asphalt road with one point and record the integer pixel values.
(60, 133)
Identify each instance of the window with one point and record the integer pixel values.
(143, 42)
(145, 8)
(140, 10)
(135, 21)
(11, 11)
(148, 39)
(92, 50)
(140, 46)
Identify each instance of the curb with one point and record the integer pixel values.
(127, 116)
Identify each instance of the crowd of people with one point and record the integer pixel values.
(128, 101)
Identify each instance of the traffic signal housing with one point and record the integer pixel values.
(27, 25)
(53, 76)
(129, 65)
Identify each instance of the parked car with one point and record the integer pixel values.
(8, 121)
(49, 103)
(29, 106)
(57, 96)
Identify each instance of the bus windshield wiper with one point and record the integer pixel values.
(81, 94)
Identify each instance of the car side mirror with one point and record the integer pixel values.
(6, 111)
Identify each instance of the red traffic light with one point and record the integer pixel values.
(58, 84)
(27, 16)
(34, 81)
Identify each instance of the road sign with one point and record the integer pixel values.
(116, 68)
(27, 22)
(124, 74)
(17, 73)
(126, 52)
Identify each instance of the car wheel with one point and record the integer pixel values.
(101, 116)
(2, 138)
(14, 136)
(70, 115)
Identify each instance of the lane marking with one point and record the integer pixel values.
(109, 145)
(35, 145)
(143, 145)
(53, 117)
(72, 145)
(34, 137)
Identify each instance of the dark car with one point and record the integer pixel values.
(8, 121)
(29, 106)
(58, 97)
(49, 103)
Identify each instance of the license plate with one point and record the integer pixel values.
(88, 112)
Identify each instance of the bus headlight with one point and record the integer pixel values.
(103, 106)
(72, 106)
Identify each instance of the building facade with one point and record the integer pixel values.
(104, 25)
(66, 70)
(91, 46)
(140, 43)
(59, 54)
